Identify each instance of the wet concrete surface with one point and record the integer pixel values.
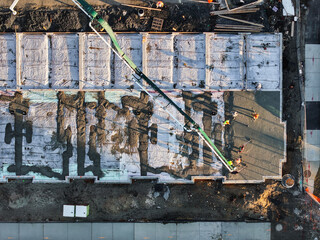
(262, 140)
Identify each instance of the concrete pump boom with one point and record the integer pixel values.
(93, 15)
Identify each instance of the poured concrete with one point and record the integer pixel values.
(183, 61)
(264, 139)
(116, 152)
(137, 231)
(79, 114)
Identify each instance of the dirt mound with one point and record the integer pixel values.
(266, 200)
(186, 17)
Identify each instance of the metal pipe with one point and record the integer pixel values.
(12, 7)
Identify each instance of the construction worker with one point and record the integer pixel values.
(238, 160)
(230, 163)
(226, 122)
(241, 148)
(160, 4)
(255, 116)
(234, 114)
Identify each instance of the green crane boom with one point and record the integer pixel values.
(93, 15)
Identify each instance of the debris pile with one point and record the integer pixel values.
(243, 23)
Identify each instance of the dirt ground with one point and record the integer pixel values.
(147, 201)
(187, 17)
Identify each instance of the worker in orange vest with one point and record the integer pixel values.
(160, 4)
(255, 116)
(226, 122)
(238, 161)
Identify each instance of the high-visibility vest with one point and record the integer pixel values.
(160, 4)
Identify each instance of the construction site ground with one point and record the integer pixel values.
(148, 201)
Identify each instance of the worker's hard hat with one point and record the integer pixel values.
(160, 4)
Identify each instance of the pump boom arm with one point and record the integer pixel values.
(93, 15)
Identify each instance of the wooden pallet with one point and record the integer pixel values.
(157, 24)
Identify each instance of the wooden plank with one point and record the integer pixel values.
(242, 21)
(243, 6)
(240, 26)
(135, 6)
(234, 30)
(224, 12)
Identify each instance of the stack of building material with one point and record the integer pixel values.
(250, 27)
(246, 8)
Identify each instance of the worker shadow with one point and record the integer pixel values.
(249, 113)
(250, 171)
(277, 146)
(269, 142)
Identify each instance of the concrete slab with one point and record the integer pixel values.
(313, 137)
(312, 80)
(45, 160)
(166, 231)
(312, 152)
(7, 61)
(102, 231)
(33, 56)
(312, 72)
(210, 230)
(188, 61)
(127, 231)
(28, 231)
(264, 139)
(64, 61)
(123, 231)
(312, 94)
(144, 231)
(132, 45)
(188, 231)
(312, 65)
(225, 63)
(190, 70)
(250, 231)
(159, 59)
(9, 231)
(55, 231)
(96, 62)
(80, 231)
(312, 51)
(259, 67)
(69, 61)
